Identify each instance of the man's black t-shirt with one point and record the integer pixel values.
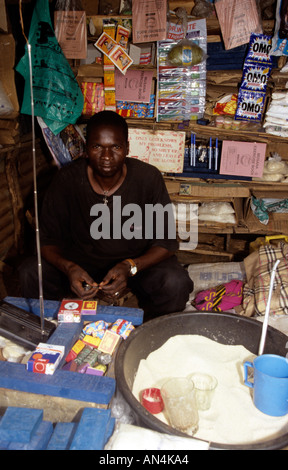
(74, 217)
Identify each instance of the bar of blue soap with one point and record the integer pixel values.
(62, 436)
(19, 424)
(39, 439)
(91, 433)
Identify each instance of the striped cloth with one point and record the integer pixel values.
(259, 267)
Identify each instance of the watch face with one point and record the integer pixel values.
(133, 270)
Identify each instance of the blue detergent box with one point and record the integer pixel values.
(45, 359)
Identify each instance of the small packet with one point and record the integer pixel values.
(45, 359)
(96, 329)
(186, 53)
(89, 307)
(75, 350)
(98, 369)
(109, 342)
(82, 355)
(250, 105)
(70, 311)
(259, 49)
(122, 328)
(92, 341)
(255, 76)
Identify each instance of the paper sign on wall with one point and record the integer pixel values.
(163, 149)
(242, 158)
(237, 21)
(71, 33)
(149, 20)
(135, 86)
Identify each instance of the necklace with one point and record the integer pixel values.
(107, 191)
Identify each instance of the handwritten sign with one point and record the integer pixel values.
(163, 149)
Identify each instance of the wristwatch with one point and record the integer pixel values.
(133, 267)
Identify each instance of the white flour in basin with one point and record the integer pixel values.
(232, 418)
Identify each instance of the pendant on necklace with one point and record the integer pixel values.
(105, 200)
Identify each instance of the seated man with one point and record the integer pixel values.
(90, 243)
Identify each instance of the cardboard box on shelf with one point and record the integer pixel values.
(278, 222)
(184, 186)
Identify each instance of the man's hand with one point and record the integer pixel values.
(114, 283)
(81, 283)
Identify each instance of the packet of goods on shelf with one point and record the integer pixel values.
(109, 342)
(109, 75)
(259, 49)
(117, 55)
(109, 28)
(137, 110)
(122, 36)
(250, 105)
(226, 105)
(181, 90)
(45, 359)
(256, 72)
(255, 76)
(93, 98)
(185, 53)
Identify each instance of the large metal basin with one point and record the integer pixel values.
(221, 327)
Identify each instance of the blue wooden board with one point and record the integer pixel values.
(91, 432)
(62, 383)
(10, 428)
(39, 440)
(99, 421)
(62, 436)
(107, 313)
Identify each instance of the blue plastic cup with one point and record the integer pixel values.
(270, 384)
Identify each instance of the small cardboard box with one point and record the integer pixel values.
(70, 311)
(45, 359)
(186, 187)
(278, 222)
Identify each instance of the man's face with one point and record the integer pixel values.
(106, 150)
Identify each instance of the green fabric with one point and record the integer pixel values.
(57, 96)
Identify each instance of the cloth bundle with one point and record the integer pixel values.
(275, 169)
(221, 298)
(258, 266)
(276, 120)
